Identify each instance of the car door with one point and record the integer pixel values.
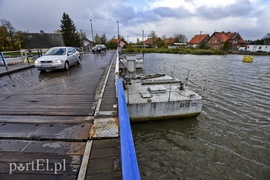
(74, 55)
(70, 56)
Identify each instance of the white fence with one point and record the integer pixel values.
(19, 57)
(11, 61)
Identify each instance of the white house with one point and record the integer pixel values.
(258, 48)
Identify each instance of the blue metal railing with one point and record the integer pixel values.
(4, 62)
(130, 170)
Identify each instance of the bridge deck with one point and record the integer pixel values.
(46, 135)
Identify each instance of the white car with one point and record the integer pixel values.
(58, 58)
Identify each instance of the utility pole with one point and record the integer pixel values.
(118, 30)
(143, 38)
(92, 30)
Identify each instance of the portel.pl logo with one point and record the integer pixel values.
(38, 165)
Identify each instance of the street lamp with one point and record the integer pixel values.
(118, 29)
(92, 30)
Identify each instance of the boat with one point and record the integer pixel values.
(157, 96)
(248, 59)
(124, 58)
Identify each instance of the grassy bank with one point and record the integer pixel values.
(188, 51)
(175, 51)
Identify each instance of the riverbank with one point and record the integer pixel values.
(189, 51)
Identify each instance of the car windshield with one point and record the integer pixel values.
(56, 51)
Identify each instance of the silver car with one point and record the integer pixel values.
(58, 58)
(98, 48)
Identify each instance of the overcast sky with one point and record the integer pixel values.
(251, 18)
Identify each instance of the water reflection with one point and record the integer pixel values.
(156, 145)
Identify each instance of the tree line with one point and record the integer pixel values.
(11, 39)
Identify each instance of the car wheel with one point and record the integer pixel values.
(79, 60)
(66, 66)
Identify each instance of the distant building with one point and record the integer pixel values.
(198, 39)
(87, 44)
(169, 41)
(218, 39)
(41, 40)
(178, 45)
(150, 42)
(257, 48)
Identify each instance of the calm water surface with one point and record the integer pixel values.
(231, 137)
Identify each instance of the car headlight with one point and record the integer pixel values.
(58, 61)
(36, 62)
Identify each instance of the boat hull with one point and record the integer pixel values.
(165, 110)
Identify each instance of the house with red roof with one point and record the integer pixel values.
(152, 42)
(198, 39)
(218, 39)
(169, 41)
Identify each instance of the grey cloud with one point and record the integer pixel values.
(123, 13)
(128, 16)
(241, 8)
(171, 12)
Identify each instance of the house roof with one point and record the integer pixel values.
(116, 40)
(169, 40)
(42, 40)
(149, 40)
(224, 36)
(198, 38)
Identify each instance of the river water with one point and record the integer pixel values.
(230, 139)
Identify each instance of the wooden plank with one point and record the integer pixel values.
(31, 131)
(47, 105)
(35, 177)
(39, 166)
(8, 157)
(45, 147)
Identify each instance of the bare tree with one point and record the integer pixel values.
(163, 37)
(180, 38)
(153, 37)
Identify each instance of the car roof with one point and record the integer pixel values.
(62, 47)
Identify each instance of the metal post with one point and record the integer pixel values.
(4, 61)
(187, 77)
(92, 30)
(170, 91)
(118, 30)
(143, 42)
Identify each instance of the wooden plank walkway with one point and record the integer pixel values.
(104, 160)
(46, 135)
